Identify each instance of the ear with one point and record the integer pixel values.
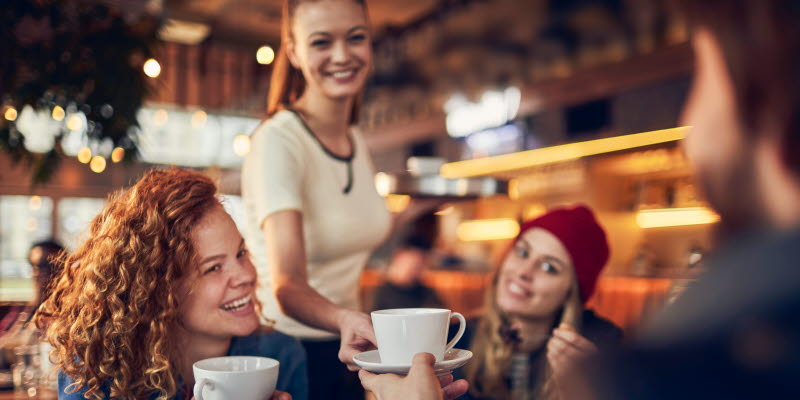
(291, 54)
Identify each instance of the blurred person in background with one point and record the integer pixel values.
(42, 258)
(534, 325)
(735, 334)
(15, 327)
(163, 280)
(403, 287)
(313, 214)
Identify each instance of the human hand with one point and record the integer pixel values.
(278, 395)
(420, 384)
(566, 348)
(357, 336)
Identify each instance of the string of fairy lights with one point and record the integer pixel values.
(97, 155)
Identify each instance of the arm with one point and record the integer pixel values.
(283, 233)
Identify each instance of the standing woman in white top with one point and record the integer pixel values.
(313, 213)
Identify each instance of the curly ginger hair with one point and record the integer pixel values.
(113, 312)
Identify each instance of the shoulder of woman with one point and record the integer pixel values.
(65, 392)
(281, 124)
(600, 330)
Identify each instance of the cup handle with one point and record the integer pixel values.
(462, 325)
(198, 387)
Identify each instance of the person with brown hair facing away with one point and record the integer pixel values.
(163, 280)
(534, 325)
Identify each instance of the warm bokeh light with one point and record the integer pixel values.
(160, 117)
(152, 68)
(513, 189)
(397, 202)
(58, 113)
(74, 122)
(665, 217)
(117, 155)
(35, 203)
(556, 154)
(531, 211)
(447, 210)
(98, 164)
(487, 229)
(199, 119)
(241, 145)
(383, 183)
(85, 155)
(265, 55)
(11, 113)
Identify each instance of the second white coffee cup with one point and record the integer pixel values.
(404, 332)
(235, 377)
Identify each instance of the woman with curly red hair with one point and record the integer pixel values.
(164, 280)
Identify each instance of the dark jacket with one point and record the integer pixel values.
(735, 334)
(603, 333)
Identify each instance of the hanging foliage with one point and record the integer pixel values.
(71, 77)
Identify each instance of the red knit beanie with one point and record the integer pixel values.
(584, 239)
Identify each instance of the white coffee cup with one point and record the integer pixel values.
(235, 377)
(403, 332)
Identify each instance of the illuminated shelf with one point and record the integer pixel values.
(509, 163)
(665, 217)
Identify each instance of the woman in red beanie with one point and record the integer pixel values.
(535, 326)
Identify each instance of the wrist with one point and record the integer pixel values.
(341, 316)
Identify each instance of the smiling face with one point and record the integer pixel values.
(535, 277)
(331, 46)
(219, 295)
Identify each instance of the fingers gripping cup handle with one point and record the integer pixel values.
(462, 325)
(198, 387)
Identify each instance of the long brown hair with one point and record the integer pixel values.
(287, 83)
(113, 313)
(487, 373)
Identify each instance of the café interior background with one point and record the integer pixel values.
(489, 87)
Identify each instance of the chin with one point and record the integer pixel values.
(245, 329)
(509, 306)
(342, 94)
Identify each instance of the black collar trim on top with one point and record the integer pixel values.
(327, 151)
(348, 159)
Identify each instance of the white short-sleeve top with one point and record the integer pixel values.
(289, 169)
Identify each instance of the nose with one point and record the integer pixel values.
(245, 275)
(526, 274)
(340, 53)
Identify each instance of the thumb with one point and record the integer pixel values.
(368, 380)
(422, 363)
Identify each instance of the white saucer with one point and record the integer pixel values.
(371, 361)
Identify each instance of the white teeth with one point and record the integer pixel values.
(516, 289)
(237, 304)
(343, 74)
